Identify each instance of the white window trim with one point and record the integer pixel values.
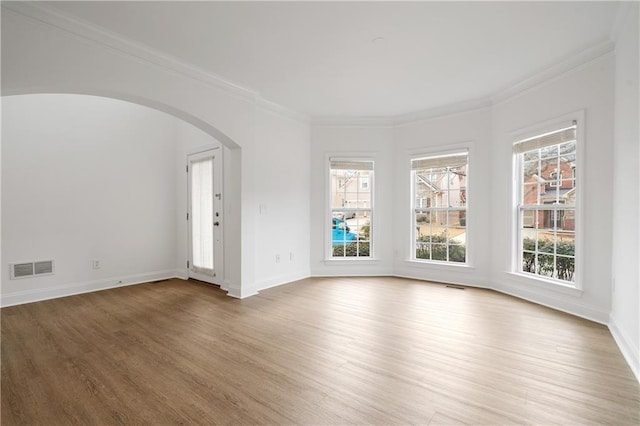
(328, 249)
(516, 252)
(438, 151)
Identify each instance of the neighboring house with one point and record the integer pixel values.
(552, 186)
(442, 188)
(352, 190)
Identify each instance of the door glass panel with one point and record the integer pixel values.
(202, 214)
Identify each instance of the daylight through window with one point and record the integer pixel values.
(440, 207)
(351, 186)
(547, 204)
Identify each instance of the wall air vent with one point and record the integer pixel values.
(43, 267)
(31, 269)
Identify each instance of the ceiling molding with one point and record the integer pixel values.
(46, 15)
(282, 110)
(556, 70)
(403, 119)
(353, 121)
(443, 111)
(553, 72)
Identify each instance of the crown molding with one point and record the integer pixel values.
(46, 15)
(352, 121)
(555, 71)
(443, 111)
(282, 110)
(403, 119)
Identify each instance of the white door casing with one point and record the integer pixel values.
(204, 216)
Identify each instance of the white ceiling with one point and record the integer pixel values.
(321, 58)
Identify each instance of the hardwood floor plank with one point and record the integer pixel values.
(318, 351)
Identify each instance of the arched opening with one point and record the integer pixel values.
(97, 184)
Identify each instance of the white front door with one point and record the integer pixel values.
(204, 216)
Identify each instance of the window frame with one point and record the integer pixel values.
(442, 153)
(573, 119)
(347, 157)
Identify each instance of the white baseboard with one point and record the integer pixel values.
(631, 354)
(238, 293)
(248, 291)
(183, 274)
(439, 281)
(281, 280)
(583, 311)
(29, 296)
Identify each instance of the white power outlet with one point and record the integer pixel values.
(291, 256)
(277, 258)
(95, 264)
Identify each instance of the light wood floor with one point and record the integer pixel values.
(317, 352)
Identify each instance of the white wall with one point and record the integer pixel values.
(86, 178)
(48, 53)
(64, 57)
(282, 188)
(625, 312)
(338, 141)
(469, 130)
(488, 134)
(588, 88)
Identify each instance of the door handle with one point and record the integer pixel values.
(216, 223)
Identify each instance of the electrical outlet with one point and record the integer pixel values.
(277, 258)
(95, 264)
(291, 256)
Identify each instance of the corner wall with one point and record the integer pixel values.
(282, 200)
(374, 142)
(467, 130)
(625, 293)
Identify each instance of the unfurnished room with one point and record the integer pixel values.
(320, 213)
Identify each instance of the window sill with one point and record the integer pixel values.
(351, 261)
(548, 284)
(464, 267)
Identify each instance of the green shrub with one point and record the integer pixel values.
(565, 266)
(365, 231)
(353, 249)
(437, 250)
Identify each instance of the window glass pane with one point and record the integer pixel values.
(439, 203)
(423, 250)
(439, 252)
(548, 180)
(529, 262)
(546, 242)
(202, 213)
(532, 193)
(545, 265)
(549, 151)
(457, 253)
(565, 267)
(351, 208)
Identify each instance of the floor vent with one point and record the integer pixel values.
(31, 269)
(456, 287)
